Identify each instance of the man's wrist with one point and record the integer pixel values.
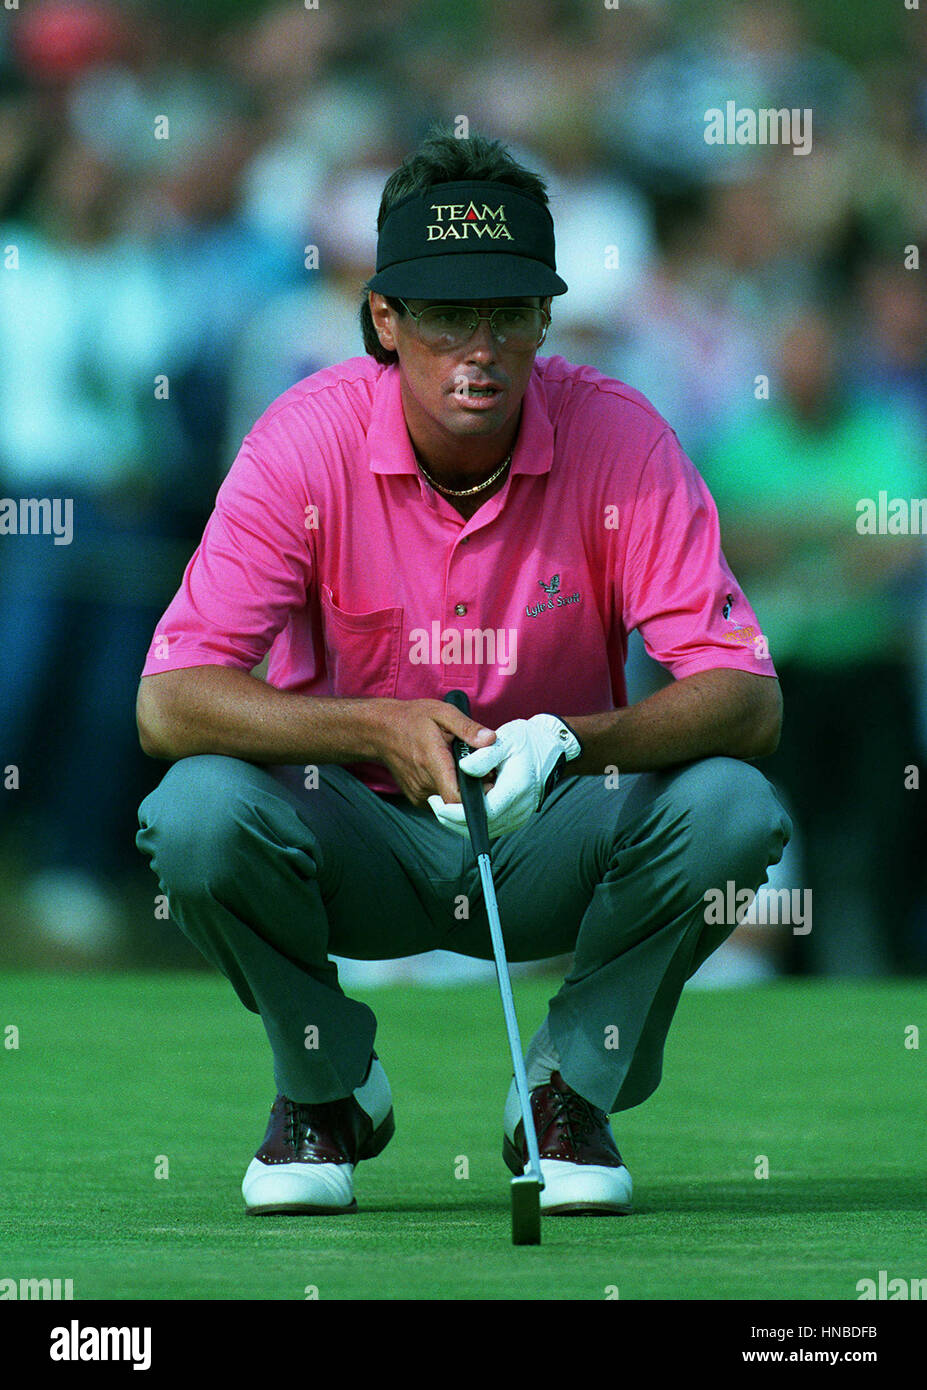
(566, 746)
(373, 728)
(594, 733)
(573, 749)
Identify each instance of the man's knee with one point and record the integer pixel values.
(191, 824)
(736, 825)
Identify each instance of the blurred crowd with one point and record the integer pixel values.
(187, 218)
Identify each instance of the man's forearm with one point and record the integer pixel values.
(713, 713)
(219, 709)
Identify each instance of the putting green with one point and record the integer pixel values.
(133, 1104)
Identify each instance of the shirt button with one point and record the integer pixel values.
(460, 609)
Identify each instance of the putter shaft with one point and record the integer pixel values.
(511, 1022)
(525, 1188)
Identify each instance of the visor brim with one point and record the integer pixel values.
(468, 277)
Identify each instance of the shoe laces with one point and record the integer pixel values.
(296, 1121)
(576, 1115)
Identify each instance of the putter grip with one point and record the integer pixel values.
(471, 788)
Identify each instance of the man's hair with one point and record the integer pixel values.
(443, 158)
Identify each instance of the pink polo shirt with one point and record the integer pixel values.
(328, 548)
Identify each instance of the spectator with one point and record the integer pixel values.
(84, 329)
(788, 476)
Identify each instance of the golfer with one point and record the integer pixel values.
(452, 511)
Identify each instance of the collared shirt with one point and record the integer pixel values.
(329, 548)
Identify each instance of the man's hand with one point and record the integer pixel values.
(415, 744)
(528, 755)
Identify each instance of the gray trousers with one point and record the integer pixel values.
(267, 879)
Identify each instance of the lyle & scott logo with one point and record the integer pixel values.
(555, 599)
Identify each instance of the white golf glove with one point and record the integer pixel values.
(529, 755)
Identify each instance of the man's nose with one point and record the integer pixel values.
(482, 346)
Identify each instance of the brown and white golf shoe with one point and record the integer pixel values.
(582, 1169)
(307, 1160)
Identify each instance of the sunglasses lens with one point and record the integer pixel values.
(450, 326)
(447, 326)
(518, 328)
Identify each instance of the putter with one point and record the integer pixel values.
(526, 1189)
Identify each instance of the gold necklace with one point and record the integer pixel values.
(467, 491)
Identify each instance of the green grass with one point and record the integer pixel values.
(114, 1071)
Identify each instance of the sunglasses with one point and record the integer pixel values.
(445, 326)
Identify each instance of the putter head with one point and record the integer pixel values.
(526, 1211)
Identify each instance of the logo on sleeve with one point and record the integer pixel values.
(743, 636)
(738, 636)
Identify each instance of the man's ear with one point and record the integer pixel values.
(382, 316)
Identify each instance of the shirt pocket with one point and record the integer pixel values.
(362, 650)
